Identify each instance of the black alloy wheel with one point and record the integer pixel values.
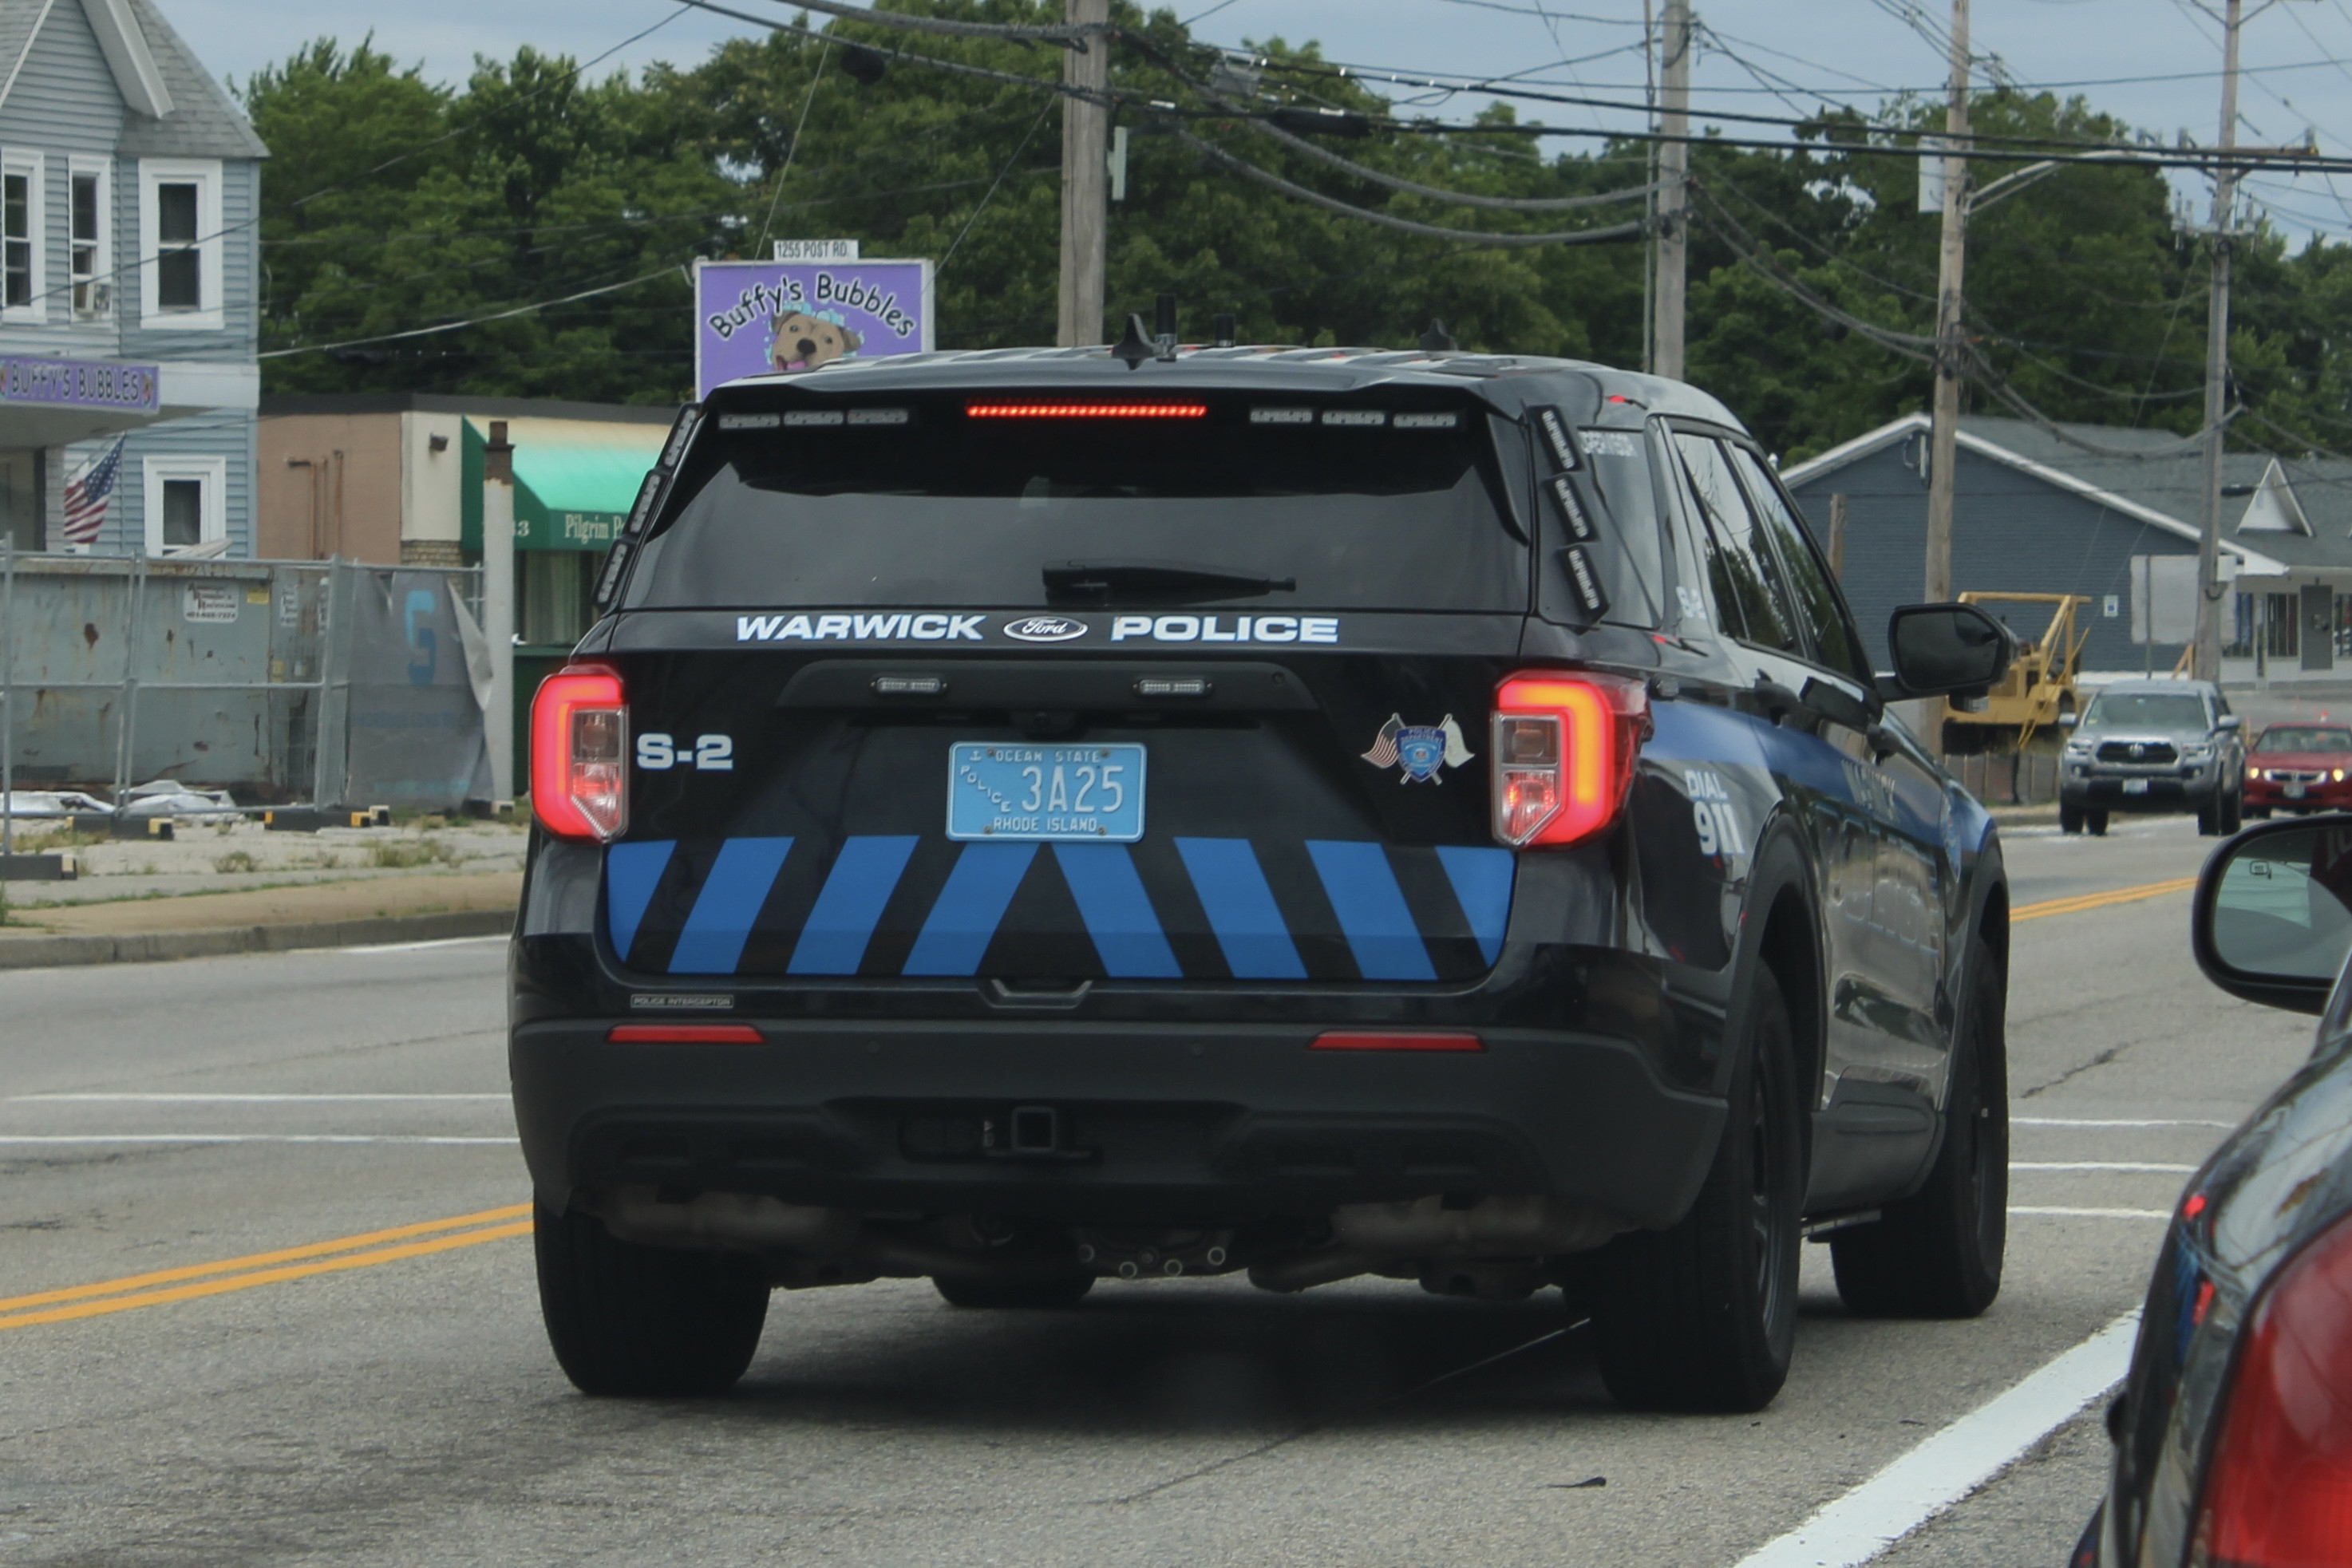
(1703, 1316)
(1938, 1253)
(647, 1322)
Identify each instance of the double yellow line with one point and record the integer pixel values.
(2082, 902)
(196, 1279)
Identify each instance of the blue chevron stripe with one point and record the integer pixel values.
(632, 871)
(720, 922)
(1241, 909)
(1364, 895)
(1117, 912)
(956, 934)
(1482, 882)
(864, 875)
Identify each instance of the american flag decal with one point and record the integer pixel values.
(88, 493)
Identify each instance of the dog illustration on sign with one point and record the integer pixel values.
(803, 342)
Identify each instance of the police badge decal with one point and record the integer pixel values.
(1419, 750)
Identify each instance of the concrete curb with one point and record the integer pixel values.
(162, 947)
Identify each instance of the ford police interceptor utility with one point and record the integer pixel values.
(1038, 817)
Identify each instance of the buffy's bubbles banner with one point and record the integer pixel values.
(758, 318)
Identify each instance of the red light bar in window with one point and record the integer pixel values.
(685, 1034)
(1086, 410)
(1341, 1040)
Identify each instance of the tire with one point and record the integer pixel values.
(1703, 1316)
(1061, 1290)
(2070, 817)
(2259, 813)
(2209, 819)
(1938, 1254)
(645, 1322)
(2097, 821)
(2233, 814)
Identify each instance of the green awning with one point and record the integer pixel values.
(575, 480)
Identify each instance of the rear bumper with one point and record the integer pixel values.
(2108, 793)
(1169, 1122)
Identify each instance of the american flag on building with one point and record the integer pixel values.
(87, 496)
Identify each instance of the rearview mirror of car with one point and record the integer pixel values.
(1940, 649)
(2273, 915)
(2231, 721)
(2068, 720)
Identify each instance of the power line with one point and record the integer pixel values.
(471, 322)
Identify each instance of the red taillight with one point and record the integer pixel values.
(1563, 748)
(580, 754)
(683, 1034)
(1086, 410)
(1390, 1040)
(2279, 1492)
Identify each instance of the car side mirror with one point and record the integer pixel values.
(2272, 922)
(1941, 649)
(2068, 720)
(2231, 721)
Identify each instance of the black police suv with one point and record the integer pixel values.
(2233, 1433)
(1034, 817)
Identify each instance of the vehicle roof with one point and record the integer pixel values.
(1506, 379)
(2195, 688)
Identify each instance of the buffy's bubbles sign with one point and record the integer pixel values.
(759, 318)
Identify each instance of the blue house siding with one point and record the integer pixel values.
(233, 435)
(2010, 532)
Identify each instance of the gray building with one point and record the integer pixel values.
(2113, 515)
(129, 184)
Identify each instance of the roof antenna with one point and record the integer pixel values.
(1163, 326)
(1134, 348)
(1437, 340)
(1221, 328)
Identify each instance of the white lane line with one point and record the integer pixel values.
(51, 1138)
(237, 1099)
(2051, 1213)
(412, 947)
(1957, 1460)
(2106, 1122)
(2149, 1166)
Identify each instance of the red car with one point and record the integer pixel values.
(2300, 767)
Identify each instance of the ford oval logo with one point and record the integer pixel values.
(1044, 629)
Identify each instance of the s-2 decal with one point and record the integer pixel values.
(658, 753)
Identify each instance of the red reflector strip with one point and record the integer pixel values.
(1086, 410)
(1338, 1041)
(685, 1034)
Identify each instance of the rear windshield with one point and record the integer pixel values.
(2296, 738)
(2148, 710)
(966, 500)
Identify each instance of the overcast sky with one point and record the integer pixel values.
(2298, 52)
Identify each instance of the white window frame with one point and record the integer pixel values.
(102, 274)
(20, 160)
(212, 471)
(205, 173)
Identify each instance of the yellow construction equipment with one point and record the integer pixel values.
(2039, 686)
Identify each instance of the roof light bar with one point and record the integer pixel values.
(1086, 410)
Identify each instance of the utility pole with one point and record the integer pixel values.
(1673, 201)
(1086, 148)
(498, 605)
(2207, 664)
(1944, 443)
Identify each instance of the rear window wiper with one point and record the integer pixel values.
(1098, 582)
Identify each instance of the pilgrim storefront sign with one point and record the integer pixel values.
(40, 381)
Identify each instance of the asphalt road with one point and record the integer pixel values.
(392, 1400)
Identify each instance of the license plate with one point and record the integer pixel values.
(2295, 791)
(2134, 786)
(1045, 794)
